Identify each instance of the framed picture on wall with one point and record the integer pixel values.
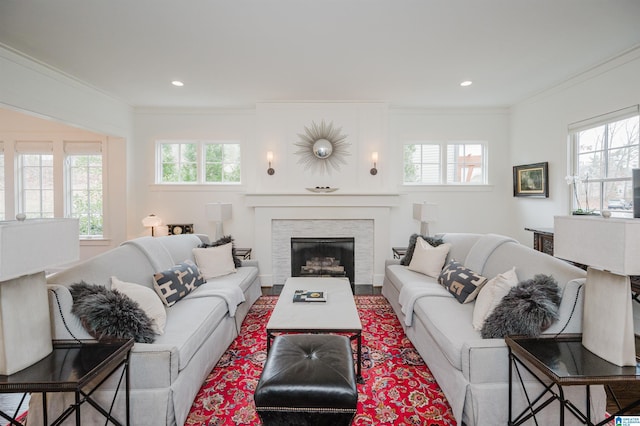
(531, 180)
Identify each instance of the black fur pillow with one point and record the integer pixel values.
(406, 260)
(527, 310)
(108, 313)
(222, 241)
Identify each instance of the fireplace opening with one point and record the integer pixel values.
(323, 257)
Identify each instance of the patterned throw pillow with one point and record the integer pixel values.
(462, 282)
(175, 283)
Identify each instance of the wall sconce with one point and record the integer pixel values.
(151, 221)
(270, 170)
(374, 158)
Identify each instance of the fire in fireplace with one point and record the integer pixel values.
(323, 257)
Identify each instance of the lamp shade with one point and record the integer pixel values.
(425, 212)
(57, 244)
(611, 244)
(151, 221)
(217, 212)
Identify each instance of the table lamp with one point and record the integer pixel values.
(151, 221)
(218, 212)
(27, 249)
(610, 247)
(425, 213)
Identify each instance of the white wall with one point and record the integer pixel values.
(460, 208)
(369, 126)
(65, 106)
(539, 131)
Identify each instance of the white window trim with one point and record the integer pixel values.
(200, 163)
(444, 164)
(589, 123)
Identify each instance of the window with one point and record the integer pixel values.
(194, 162)
(444, 163)
(35, 179)
(2, 191)
(84, 187)
(604, 150)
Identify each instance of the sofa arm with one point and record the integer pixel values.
(389, 262)
(570, 312)
(64, 324)
(149, 362)
(250, 262)
(485, 361)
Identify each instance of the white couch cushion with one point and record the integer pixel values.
(147, 299)
(215, 261)
(428, 260)
(491, 294)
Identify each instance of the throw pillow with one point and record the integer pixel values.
(491, 294)
(110, 314)
(462, 282)
(428, 260)
(406, 260)
(222, 241)
(147, 299)
(527, 310)
(214, 261)
(175, 283)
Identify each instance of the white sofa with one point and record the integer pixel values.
(165, 375)
(472, 371)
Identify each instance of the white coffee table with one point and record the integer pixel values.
(338, 314)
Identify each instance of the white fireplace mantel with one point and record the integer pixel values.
(333, 199)
(312, 207)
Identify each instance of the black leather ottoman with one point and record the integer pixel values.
(308, 379)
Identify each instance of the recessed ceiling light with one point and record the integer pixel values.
(466, 83)
(177, 83)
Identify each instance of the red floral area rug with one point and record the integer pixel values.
(398, 390)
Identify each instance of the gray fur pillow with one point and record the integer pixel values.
(527, 310)
(108, 313)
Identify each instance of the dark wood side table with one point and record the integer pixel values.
(243, 253)
(398, 252)
(75, 367)
(565, 362)
(542, 239)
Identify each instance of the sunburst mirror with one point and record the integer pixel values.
(322, 147)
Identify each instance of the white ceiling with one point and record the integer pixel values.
(234, 53)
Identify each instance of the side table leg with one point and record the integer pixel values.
(126, 390)
(510, 385)
(77, 408)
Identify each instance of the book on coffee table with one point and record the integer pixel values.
(309, 296)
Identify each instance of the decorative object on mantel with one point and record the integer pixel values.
(374, 158)
(531, 180)
(270, 170)
(322, 189)
(322, 147)
(610, 248)
(425, 213)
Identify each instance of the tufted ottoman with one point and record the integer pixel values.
(308, 379)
